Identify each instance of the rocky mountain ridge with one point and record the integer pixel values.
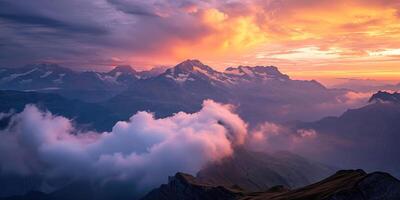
(343, 185)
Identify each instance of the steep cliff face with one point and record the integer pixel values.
(343, 185)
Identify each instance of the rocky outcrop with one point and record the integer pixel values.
(373, 186)
(184, 186)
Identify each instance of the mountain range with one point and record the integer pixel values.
(88, 85)
(260, 93)
(97, 100)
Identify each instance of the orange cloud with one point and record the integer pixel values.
(304, 38)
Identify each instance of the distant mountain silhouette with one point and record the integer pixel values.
(365, 137)
(385, 97)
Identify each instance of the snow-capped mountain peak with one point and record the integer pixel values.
(190, 64)
(191, 70)
(123, 69)
(257, 73)
(121, 74)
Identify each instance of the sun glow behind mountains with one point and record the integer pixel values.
(306, 39)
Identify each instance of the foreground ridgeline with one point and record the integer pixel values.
(343, 185)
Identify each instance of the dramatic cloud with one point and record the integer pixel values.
(306, 38)
(140, 152)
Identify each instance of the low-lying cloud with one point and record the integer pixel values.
(142, 151)
(341, 103)
(272, 137)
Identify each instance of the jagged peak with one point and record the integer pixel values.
(253, 67)
(263, 69)
(256, 71)
(192, 62)
(191, 65)
(192, 70)
(126, 69)
(383, 96)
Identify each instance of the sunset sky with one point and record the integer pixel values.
(312, 39)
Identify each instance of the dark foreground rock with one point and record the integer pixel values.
(184, 186)
(343, 185)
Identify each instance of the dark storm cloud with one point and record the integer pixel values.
(50, 23)
(34, 31)
(93, 32)
(134, 8)
(19, 14)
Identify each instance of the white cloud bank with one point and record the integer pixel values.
(144, 150)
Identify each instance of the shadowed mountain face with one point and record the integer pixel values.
(366, 137)
(385, 97)
(88, 86)
(343, 185)
(255, 171)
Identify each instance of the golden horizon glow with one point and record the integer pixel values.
(306, 39)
